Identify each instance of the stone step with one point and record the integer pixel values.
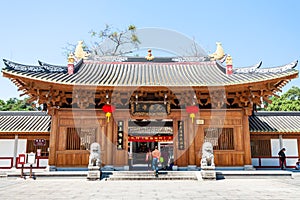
(149, 175)
(151, 178)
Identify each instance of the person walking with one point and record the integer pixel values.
(282, 158)
(155, 159)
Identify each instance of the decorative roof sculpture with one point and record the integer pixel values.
(79, 52)
(219, 53)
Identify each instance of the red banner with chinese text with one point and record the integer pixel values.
(150, 138)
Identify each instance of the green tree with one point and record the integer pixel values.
(110, 42)
(14, 104)
(289, 101)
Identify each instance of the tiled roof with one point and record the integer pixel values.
(285, 122)
(163, 72)
(24, 121)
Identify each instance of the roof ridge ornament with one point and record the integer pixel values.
(149, 57)
(190, 59)
(219, 53)
(110, 58)
(228, 65)
(79, 52)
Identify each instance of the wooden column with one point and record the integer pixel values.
(199, 139)
(110, 144)
(103, 142)
(191, 142)
(52, 140)
(247, 146)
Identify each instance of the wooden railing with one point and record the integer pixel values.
(36, 165)
(273, 162)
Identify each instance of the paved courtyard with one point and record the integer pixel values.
(81, 188)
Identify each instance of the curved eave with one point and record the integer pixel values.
(248, 69)
(179, 75)
(231, 86)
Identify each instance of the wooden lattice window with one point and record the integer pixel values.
(261, 148)
(80, 138)
(221, 138)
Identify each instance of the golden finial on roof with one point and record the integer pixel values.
(228, 60)
(219, 53)
(71, 58)
(79, 52)
(149, 56)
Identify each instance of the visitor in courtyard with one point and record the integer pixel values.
(298, 164)
(155, 159)
(149, 159)
(282, 158)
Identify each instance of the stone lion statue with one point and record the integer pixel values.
(95, 155)
(207, 155)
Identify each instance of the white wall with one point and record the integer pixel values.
(7, 147)
(289, 144)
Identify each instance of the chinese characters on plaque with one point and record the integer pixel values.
(180, 135)
(120, 135)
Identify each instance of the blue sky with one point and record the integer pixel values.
(250, 31)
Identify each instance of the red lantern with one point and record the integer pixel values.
(192, 110)
(108, 109)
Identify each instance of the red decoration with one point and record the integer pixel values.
(108, 109)
(229, 69)
(70, 69)
(150, 138)
(192, 110)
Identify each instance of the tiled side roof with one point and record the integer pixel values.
(126, 74)
(24, 121)
(285, 122)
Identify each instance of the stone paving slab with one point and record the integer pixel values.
(211, 190)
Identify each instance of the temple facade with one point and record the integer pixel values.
(131, 104)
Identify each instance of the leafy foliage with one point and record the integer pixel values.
(113, 42)
(289, 101)
(14, 104)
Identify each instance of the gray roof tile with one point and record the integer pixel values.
(24, 121)
(285, 122)
(99, 73)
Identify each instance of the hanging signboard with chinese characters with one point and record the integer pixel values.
(149, 108)
(150, 138)
(39, 142)
(180, 135)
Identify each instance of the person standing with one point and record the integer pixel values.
(282, 158)
(155, 159)
(298, 164)
(149, 159)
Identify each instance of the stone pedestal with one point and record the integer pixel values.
(192, 167)
(249, 168)
(94, 173)
(208, 173)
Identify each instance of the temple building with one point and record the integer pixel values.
(131, 104)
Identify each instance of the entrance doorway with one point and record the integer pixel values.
(145, 135)
(139, 150)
